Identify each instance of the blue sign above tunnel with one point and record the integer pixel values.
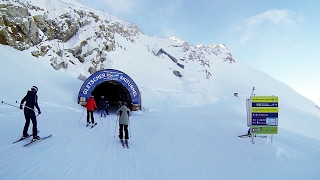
(109, 75)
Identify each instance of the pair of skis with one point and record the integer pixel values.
(22, 138)
(36, 141)
(93, 125)
(31, 142)
(124, 144)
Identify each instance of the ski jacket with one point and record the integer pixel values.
(31, 100)
(107, 105)
(102, 103)
(91, 104)
(123, 112)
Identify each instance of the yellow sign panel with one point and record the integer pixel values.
(264, 99)
(265, 110)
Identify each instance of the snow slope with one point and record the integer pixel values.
(187, 129)
(172, 142)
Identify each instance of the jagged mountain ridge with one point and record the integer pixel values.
(71, 34)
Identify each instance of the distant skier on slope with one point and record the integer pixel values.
(123, 112)
(31, 100)
(91, 105)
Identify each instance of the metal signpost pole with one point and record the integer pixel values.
(252, 135)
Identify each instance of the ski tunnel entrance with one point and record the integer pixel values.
(114, 85)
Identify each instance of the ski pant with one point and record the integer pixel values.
(125, 128)
(33, 118)
(90, 114)
(103, 112)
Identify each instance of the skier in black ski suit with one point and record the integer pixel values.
(102, 106)
(31, 100)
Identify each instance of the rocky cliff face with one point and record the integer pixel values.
(20, 29)
(77, 35)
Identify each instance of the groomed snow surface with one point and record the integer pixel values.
(192, 142)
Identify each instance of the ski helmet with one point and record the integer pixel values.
(34, 88)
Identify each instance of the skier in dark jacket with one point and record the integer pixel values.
(101, 106)
(31, 100)
(123, 112)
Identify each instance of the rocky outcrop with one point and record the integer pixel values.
(22, 30)
(17, 28)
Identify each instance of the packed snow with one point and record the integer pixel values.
(187, 129)
(174, 142)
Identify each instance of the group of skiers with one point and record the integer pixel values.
(91, 105)
(31, 102)
(123, 112)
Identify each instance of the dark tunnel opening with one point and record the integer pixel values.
(113, 92)
(114, 85)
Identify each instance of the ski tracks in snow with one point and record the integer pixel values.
(96, 148)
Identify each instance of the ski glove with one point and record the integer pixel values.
(21, 106)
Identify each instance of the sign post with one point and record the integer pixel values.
(263, 115)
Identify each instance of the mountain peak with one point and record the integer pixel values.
(176, 39)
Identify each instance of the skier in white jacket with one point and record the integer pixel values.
(123, 112)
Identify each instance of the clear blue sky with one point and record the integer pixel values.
(280, 38)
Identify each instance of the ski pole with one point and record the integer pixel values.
(129, 127)
(10, 104)
(81, 115)
(115, 128)
(19, 107)
(99, 116)
(28, 108)
(100, 119)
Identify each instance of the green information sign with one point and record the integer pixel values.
(264, 130)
